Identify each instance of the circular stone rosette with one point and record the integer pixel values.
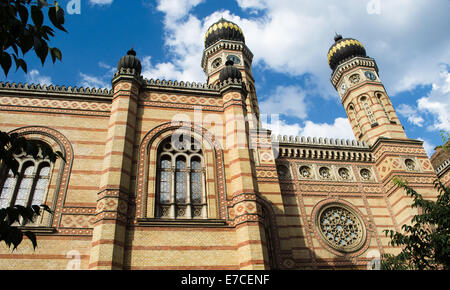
(340, 228)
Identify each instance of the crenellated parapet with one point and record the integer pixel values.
(322, 148)
(319, 141)
(443, 167)
(52, 89)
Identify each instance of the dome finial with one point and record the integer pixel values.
(131, 51)
(337, 37)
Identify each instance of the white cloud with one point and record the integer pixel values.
(411, 114)
(437, 102)
(89, 81)
(428, 146)
(183, 40)
(340, 129)
(35, 77)
(433, 109)
(288, 101)
(293, 38)
(280, 127)
(176, 9)
(101, 2)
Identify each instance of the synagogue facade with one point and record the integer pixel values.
(177, 175)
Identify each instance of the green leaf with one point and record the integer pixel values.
(20, 63)
(46, 208)
(37, 209)
(37, 16)
(23, 13)
(56, 16)
(6, 62)
(32, 237)
(15, 236)
(42, 50)
(56, 54)
(13, 215)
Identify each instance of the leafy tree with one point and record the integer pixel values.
(426, 242)
(16, 32)
(12, 218)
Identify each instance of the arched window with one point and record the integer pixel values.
(368, 109)
(181, 190)
(29, 187)
(380, 100)
(353, 116)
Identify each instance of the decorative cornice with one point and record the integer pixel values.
(190, 88)
(322, 148)
(354, 62)
(38, 89)
(291, 140)
(443, 167)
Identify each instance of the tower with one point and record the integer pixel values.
(225, 42)
(355, 77)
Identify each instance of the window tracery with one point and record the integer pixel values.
(181, 190)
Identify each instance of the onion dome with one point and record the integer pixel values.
(223, 29)
(344, 49)
(229, 71)
(130, 61)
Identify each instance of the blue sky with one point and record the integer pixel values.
(410, 41)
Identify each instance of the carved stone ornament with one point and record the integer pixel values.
(341, 228)
(355, 78)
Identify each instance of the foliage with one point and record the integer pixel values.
(17, 33)
(11, 144)
(445, 140)
(426, 242)
(13, 235)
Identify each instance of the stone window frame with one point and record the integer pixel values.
(372, 178)
(59, 176)
(418, 167)
(311, 168)
(367, 231)
(366, 104)
(383, 100)
(38, 164)
(289, 170)
(174, 205)
(350, 172)
(146, 173)
(352, 111)
(330, 168)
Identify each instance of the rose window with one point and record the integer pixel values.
(305, 172)
(324, 172)
(365, 174)
(344, 173)
(341, 228)
(410, 164)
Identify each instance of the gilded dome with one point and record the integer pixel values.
(130, 61)
(223, 29)
(343, 49)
